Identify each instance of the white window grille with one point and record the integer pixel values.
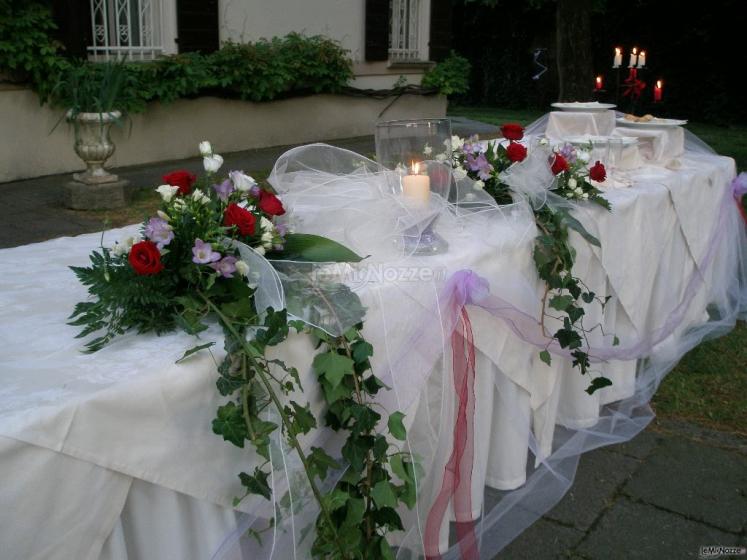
(129, 29)
(404, 43)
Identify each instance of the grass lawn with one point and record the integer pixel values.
(709, 385)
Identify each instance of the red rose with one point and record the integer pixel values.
(145, 258)
(512, 131)
(182, 179)
(516, 152)
(597, 172)
(237, 216)
(559, 164)
(270, 204)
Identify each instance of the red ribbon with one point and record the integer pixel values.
(456, 486)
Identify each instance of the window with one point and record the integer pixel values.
(404, 42)
(129, 29)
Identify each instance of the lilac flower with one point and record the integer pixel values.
(739, 184)
(224, 189)
(203, 253)
(159, 231)
(226, 266)
(569, 153)
(467, 148)
(481, 165)
(255, 191)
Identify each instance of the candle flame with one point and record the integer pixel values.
(415, 168)
(635, 50)
(599, 79)
(618, 50)
(658, 84)
(643, 53)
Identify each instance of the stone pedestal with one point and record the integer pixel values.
(103, 196)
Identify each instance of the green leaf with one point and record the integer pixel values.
(545, 357)
(313, 248)
(615, 341)
(302, 420)
(355, 451)
(319, 462)
(230, 424)
(383, 494)
(332, 367)
(396, 427)
(362, 350)
(560, 302)
(386, 549)
(576, 226)
(356, 507)
(598, 383)
(337, 499)
(194, 350)
(257, 483)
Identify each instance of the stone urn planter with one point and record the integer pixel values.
(95, 188)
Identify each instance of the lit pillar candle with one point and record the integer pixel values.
(633, 58)
(598, 84)
(417, 187)
(658, 88)
(618, 58)
(642, 59)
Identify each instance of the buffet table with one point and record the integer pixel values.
(111, 456)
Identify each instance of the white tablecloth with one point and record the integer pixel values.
(112, 456)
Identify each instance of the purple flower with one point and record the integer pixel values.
(569, 153)
(159, 231)
(255, 191)
(224, 189)
(202, 253)
(226, 266)
(467, 148)
(739, 184)
(481, 165)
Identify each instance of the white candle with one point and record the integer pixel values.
(633, 58)
(618, 58)
(642, 59)
(417, 187)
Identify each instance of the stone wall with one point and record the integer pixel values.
(30, 148)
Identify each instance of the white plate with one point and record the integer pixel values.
(588, 107)
(601, 140)
(654, 123)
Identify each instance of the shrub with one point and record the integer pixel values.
(450, 76)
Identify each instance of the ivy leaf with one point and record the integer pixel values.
(598, 383)
(319, 462)
(302, 419)
(362, 350)
(576, 226)
(389, 518)
(336, 499)
(332, 367)
(356, 507)
(615, 341)
(545, 357)
(560, 303)
(396, 427)
(257, 483)
(372, 385)
(230, 424)
(588, 297)
(383, 494)
(355, 451)
(194, 350)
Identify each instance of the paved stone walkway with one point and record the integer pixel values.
(674, 488)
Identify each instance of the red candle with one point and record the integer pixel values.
(657, 90)
(598, 84)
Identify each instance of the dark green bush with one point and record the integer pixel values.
(449, 77)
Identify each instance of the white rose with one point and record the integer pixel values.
(242, 268)
(456, 143)
(199, 196)
(427, 150)
(267, 237)
(206, 150)
(579, 190)
(242, 182)
(212, 163)
(265, 224)
(460, 173)
(163, 215)
(123, 247)
(167, 192)
(572, 183)
(479, 185)
(179, 204)
(585, 195)
(260, 250)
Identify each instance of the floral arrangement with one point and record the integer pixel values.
(185, 269)
(575, 180)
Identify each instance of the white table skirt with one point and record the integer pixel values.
(112, 454)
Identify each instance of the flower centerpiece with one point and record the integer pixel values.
(576, 181)
(185, 268)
